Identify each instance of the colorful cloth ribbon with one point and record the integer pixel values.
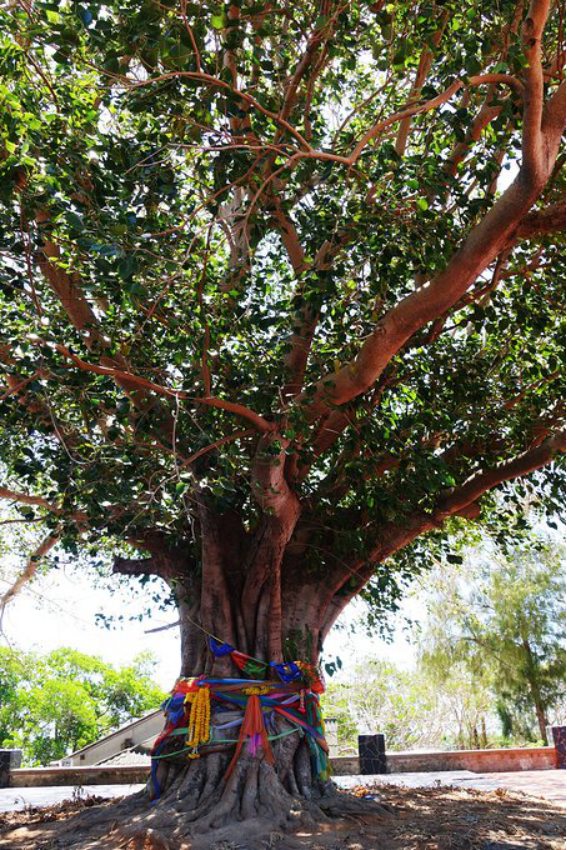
(259, 701)
(294, 698)
(253, 728)
(291, 671)
(250, 666)
(287, 672)
(219, 649)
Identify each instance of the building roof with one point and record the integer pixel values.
(127, 758)
(130, 725)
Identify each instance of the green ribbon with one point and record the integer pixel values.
(220, 741)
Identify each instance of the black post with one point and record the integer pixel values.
(558, 733)
(9, 760)
(372, 754)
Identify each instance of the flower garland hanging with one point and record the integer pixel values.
(199, 729)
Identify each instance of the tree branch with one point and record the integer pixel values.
(17, 386)
(166, 560)
(486, 240)
(162, 628)
(306, 321)
(486, 114)
(423, 69)
(541, 222)
(439, 100)
(67, 287)
(459, 501)
(240, 410)
(28, 573)
(153, 566)
(258, 421)
(26, 499)
(269, 485)
(460, 497)
(532, 149)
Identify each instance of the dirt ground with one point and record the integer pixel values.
(419, 819)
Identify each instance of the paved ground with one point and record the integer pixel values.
(549, 784)
(16, 799)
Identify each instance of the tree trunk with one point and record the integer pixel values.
(532, 670)
(540, 711)
(237, 597)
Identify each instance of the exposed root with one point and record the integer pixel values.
(338, 804)
(143, 839)
(197, 803)
(441, 817)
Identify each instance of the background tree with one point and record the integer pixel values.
(379, 697)
(503, 617)
(414, 708)
(54, 704)
(273, 308)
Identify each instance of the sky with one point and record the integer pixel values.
(59, 609)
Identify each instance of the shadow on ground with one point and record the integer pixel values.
(438, 818)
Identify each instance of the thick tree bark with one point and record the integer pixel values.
(239, 596)
(236, 596)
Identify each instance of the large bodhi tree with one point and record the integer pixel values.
(281, 305)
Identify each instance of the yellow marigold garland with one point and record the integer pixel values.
(199, 727)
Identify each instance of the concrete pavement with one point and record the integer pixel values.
(16, 799)
(549, 784)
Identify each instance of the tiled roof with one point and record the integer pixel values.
(128, 758)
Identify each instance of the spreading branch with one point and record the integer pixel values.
(28, 499)
(542, 222)
(460, 497)
(460, 501)
(486, 240)
(423, 69)
(153, 566)
(28, 573)
(240, 410)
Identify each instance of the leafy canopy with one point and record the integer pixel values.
(207, 215)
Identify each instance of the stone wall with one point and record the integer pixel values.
(477, 761)
(34, 777)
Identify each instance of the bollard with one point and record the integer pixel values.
(558, 733)
(9, 760)
(372, 754)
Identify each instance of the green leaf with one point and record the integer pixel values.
(219, 20)
(128, 267)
